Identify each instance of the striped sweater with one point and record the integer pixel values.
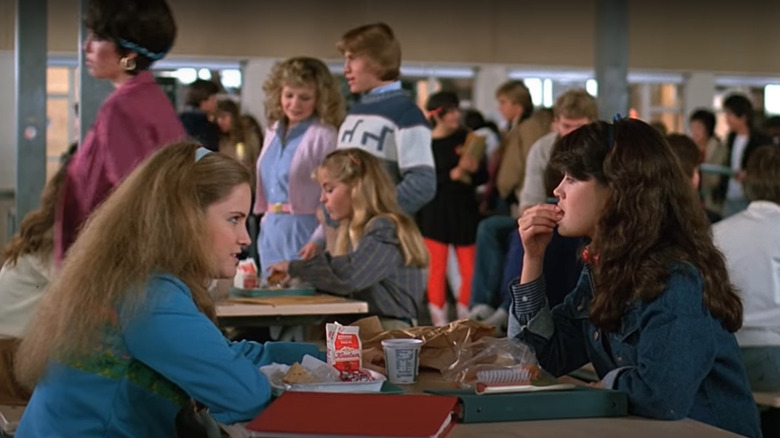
(373, 272)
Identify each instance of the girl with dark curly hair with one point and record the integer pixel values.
(653, 311)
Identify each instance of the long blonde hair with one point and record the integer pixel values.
(301, 71)
(153, 222)
(373, 196)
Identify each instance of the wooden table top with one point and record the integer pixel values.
(289, 306)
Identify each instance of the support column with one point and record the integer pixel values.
(255, 72)
(8, 123)
(30, 73)
(698, 92)
(92, 92)
(612, 57)
(486, 79)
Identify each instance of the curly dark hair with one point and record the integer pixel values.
(146, 25)
(651, 223)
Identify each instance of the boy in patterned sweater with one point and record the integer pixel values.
(386, 122)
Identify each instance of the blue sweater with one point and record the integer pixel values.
(391, 127)
(137, 380)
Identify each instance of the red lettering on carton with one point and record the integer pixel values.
(343, 347)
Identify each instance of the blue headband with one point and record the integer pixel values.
(200, 153)
(129, 45)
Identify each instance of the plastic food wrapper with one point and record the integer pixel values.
(246, 275)
(495, 361)
(440, 344)
(343, 347)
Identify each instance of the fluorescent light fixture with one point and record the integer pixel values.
(437, 71)
(60, 59)
(592, 87)
(547, 93)
(640, 77)
(231, 78)
(424, 71)
(535, 88)
(772, 98)
(186, 75)
(746, 81)
(204, 74)
(581, 75)
(555, 75)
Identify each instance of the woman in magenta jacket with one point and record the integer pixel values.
(124, 39)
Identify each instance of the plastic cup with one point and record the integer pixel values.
(402, 358)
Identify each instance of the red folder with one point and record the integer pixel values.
(320, 414)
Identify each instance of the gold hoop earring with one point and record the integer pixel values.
(127, 63)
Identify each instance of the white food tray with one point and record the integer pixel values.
(275, 372)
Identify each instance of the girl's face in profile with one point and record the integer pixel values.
(336, 196)
(298, 102)
(226, 225)
(581, 203)
(102, 58)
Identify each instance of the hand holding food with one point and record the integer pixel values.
(279, 274)
(536, 227)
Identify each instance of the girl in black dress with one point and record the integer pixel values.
(451, 217)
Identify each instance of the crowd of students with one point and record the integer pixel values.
(599, 231)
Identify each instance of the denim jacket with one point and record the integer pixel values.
(670, 356)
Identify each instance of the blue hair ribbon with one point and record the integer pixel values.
(129, 45)
(200, 153)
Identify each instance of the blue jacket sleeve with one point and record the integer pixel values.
(171, 336)
(556, 335)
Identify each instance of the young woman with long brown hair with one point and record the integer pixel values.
(26, 271)
(27, 260)
(653, 310)
(126, 332)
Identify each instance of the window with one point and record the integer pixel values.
(61, 129)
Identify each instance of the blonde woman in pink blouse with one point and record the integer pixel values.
(304, 110)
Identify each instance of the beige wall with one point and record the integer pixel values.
(664, 34)
(7, 17)
(717, 35)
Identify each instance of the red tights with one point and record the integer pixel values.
(437, 272)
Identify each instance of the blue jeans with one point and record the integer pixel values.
(763, 367)
(562, 266)
(492, 245)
